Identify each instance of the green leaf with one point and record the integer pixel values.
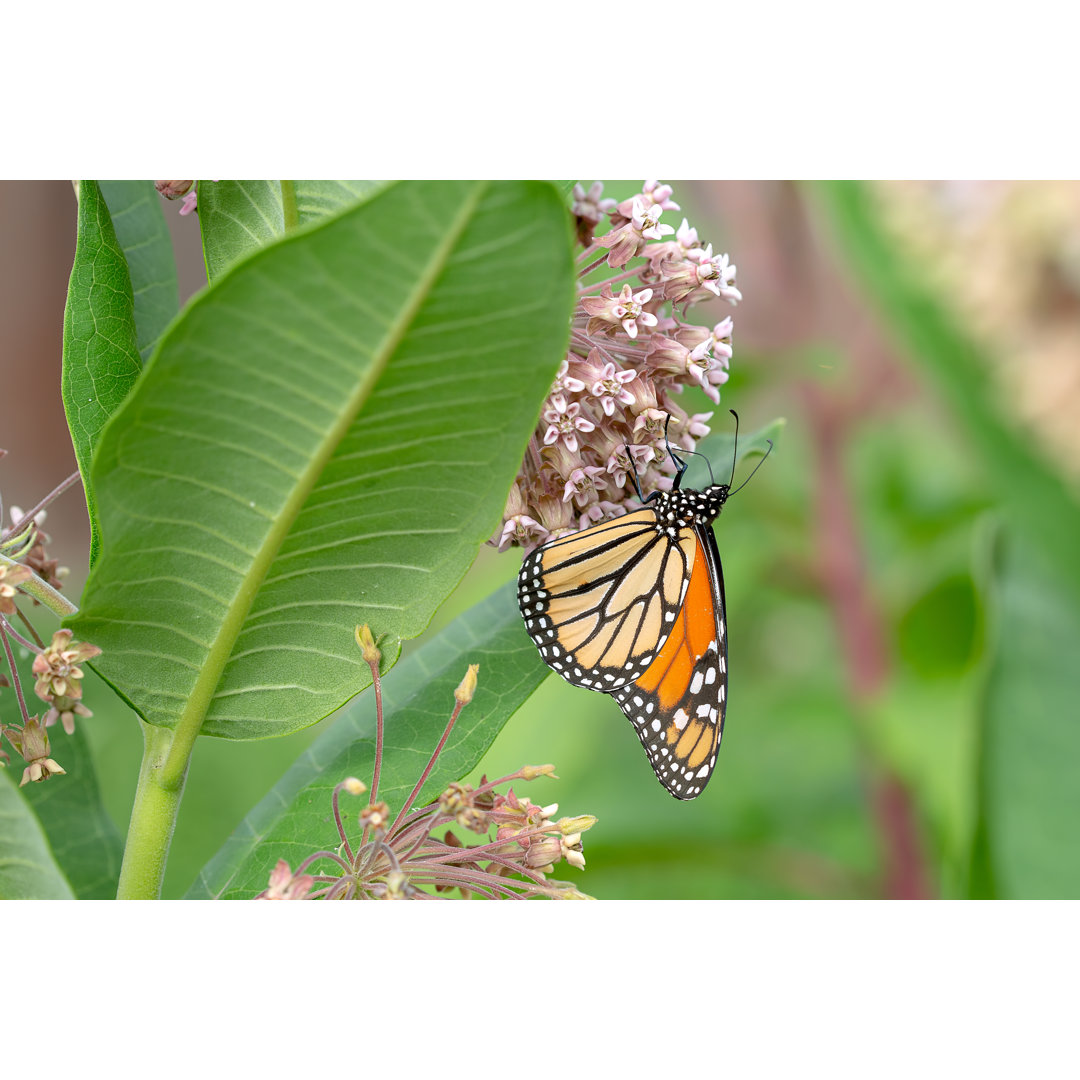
(1040, 502)
(294, 819)
(28, 870)
(316, 199)
(1029, 798)
(926, 731)
(719, 448)
(938, 636)
(323, 439)
(239, 216)
(141, 231)
(101, 356)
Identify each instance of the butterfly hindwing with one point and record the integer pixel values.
(677, 705)
(599, 604)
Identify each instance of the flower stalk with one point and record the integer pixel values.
(419, 856)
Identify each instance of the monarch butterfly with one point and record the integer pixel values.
(634, 607)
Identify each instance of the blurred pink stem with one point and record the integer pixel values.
(862, 636)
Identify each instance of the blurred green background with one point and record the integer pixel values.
(902, 581)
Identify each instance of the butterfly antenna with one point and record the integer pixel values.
(679, 463)
(633, 471)
(756, 467)
(735, 449)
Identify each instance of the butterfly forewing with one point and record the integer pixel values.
(600, 604)
(677, 705)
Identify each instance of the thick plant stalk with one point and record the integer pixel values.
(153, 818)
(844, 579)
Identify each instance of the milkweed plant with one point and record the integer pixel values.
(286, 477)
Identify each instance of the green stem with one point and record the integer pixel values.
(288, 205)
(44, 593)
(153, 818)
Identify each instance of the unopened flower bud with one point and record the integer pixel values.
(580, 824)
(542, 852)
(464, 693)
(368, 649)
(173, 189)
(531, 772)
(353, 786)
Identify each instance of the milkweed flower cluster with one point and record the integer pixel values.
(58, 678)
(28, 574)
(416, 854)
(631, 354)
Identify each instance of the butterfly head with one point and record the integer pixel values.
(689, 507)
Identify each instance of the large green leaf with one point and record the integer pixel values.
(324, 438)
(418, 697)
(141, 231)
(1029, 798)
(1038, 499)
(28, 870)
(238, 216)
(101, 355)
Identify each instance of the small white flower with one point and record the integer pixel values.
(629, 311)
(646, 220)
(687, 236)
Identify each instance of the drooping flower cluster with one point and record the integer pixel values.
(631, 354)
(417, 855)
(27, 573)
(59, 678)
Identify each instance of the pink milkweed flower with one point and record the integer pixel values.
(652, 193)
(564, 422)
(609, 312)
(589, 205)
(583, 483)
(523, 531)
(610, 389)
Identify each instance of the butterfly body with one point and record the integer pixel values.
(634, 608)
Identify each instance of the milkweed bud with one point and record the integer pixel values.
(367, 645)
(464, 693)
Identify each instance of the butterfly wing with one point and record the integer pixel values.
(600, 604)
(677, 705)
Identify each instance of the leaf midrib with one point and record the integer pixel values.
(194, 713)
